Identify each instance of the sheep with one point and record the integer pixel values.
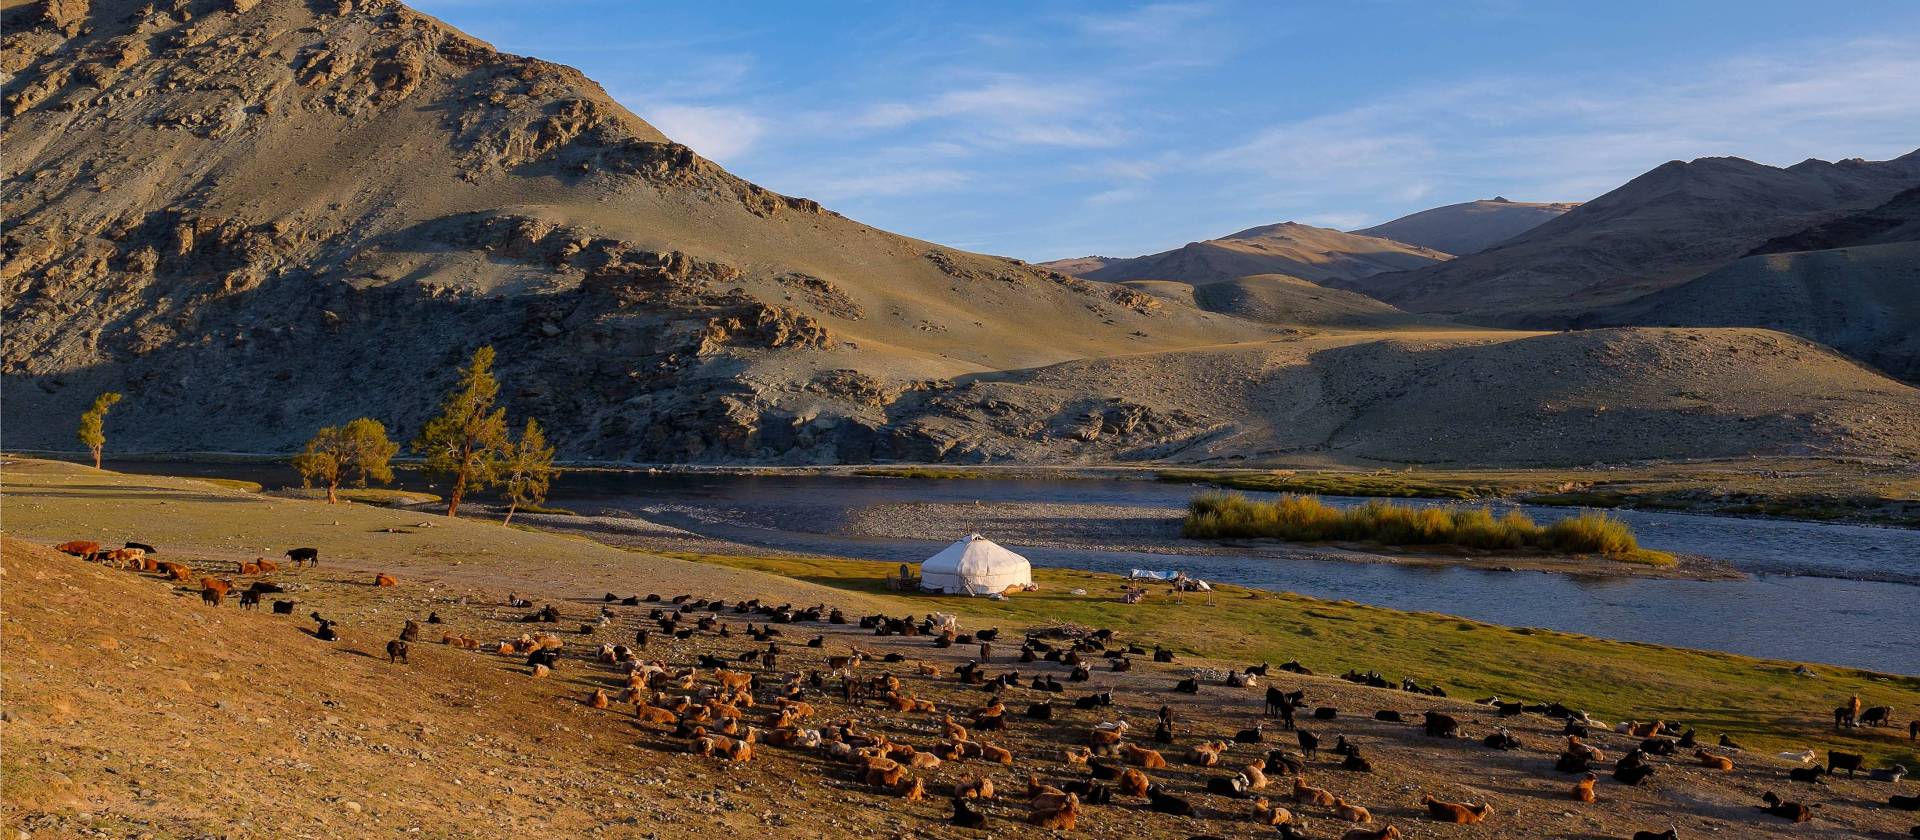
(1461, 813)
(1715, 762)
(1310, 795)
(1351, 813)
(1786, 810)
(310, 556)
(397, 651)
(1583, 789)
(384, 579)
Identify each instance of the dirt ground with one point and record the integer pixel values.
(134, 710)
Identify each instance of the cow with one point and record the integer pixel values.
(303, 555)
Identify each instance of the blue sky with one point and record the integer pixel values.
(1042, 130)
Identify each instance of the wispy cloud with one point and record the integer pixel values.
(1006, 110)
(715, 131)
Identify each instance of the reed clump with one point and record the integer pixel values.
(1299, 518)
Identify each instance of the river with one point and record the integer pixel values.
(1814, 592)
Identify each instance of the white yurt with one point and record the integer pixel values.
(975, 566)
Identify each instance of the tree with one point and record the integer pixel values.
(355, 452)
(93, 421)
(527, 469)
(466, 439)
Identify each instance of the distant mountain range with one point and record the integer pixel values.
(1469, 227)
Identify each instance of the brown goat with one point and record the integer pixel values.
(1583, 789)
(1303, 792)
(1716, 762)
(1269, 814)
(1134, 783)
(1062, 818)
(384, 579)
(974, 787)
(1461, 813)
(1142, 757)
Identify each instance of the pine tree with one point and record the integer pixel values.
(527, 470)
(467, 439)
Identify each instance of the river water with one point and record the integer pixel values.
(1815, 592)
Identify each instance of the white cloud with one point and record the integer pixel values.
(1119, 195)
(1006, 111)
(716, 132)
(869, 182)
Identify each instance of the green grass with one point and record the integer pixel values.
(366, 496)
(1307, 519)
(550, 511)
(233, 484)
(1760, 703)
(919, 472)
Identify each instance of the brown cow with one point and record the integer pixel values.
(177, 571)
(249, 568)
(266, 565)
(84, 549)
(214, 591)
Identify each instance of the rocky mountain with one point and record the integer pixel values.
(1468, 227)
(258, 217)
(1666, 227)
(1314, 254)
(1852, 283)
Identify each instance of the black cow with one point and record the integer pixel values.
(303, 555)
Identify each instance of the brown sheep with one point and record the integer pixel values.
(989, 752)
(384, 579)
(1460, 813)
(1205, 754)
(1142, 757)
(655, 714)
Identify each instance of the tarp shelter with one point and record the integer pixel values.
(975, 566)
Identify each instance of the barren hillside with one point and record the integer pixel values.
(257, 218)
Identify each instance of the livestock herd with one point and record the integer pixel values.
(724, 703)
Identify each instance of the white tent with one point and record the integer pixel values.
(975, 566)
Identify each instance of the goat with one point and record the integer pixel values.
(1810, 775)
(1888, 774)
(283, 608)
(1849, 762)
(1142, 757)
(384, 579)
(1234, 786)
(1326, 713)
(1904, 803)
(966, 817)
(1162, 802)
(1268, 814)
(325, 631)
(1134, 783)
(1310, 795)
(1717, 762)
(974, 787)
(1251, 736)
(1205, 753)
(1057, 815)
(1583, 789)
(1786, 810)
(1351, 813)
(397, 651)
(1460, 813)
(1309, 743)
(1279, 761)
(249, 600)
